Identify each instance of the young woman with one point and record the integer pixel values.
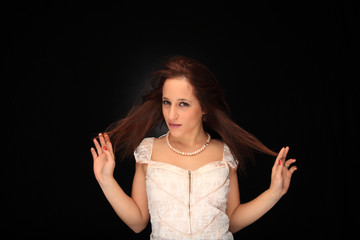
(185, 181)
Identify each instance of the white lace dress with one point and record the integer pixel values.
(187, 204)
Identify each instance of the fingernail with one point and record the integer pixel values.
(105, 148)
(279, 162)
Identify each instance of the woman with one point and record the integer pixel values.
(185, 181)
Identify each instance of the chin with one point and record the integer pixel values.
(176, 132)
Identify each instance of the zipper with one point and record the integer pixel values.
(189, 173)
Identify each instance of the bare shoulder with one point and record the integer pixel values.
(215, 150)
(159, 143)
(159, 147)
(217, 144)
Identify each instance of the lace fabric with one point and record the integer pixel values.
(187, 204)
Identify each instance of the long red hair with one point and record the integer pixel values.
(127, 133)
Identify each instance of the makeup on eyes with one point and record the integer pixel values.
(182, 102)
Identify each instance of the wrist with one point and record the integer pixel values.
(276, 195)
(104, 182)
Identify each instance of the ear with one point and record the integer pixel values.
(204, 117)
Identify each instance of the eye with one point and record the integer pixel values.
(164, 102)
(184, 104)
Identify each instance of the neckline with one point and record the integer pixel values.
(187, 170)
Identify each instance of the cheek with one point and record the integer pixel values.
(195, 116)
(164, 112)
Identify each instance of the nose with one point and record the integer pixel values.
(173, 114)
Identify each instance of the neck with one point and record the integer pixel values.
(189, 140)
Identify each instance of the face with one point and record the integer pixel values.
(181, 109)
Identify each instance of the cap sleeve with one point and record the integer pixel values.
(229, 158)
(143, 152)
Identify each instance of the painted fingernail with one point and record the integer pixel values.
(105, 148)
(279, 162)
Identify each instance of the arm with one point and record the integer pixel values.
(242, 215)
(133, 210)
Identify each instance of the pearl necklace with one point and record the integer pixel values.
(185, 153)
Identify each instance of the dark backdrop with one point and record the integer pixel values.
(69, 70)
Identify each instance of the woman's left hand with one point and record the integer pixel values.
(281, 173)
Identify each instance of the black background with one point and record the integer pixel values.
(69, 70)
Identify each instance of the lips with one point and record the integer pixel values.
(174, 125)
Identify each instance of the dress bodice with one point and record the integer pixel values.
(186, 204)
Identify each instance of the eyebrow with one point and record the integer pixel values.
(179, 99)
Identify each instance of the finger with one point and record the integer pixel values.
(109, 154)
(292, 169)
(108, 142)
(102, 140)
(289, 162)
(285, 154)
(93, 153)
(106, 137)
(282, 158)
(98, 147)
(278, 158)
(278, 163)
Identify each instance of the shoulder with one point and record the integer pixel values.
(143, 152)
(228, 157)
(216, 146)
(160, 147)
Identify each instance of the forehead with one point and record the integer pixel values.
(178, 88)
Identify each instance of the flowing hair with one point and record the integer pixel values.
(127, 133)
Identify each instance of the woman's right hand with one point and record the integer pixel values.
(104, 159)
